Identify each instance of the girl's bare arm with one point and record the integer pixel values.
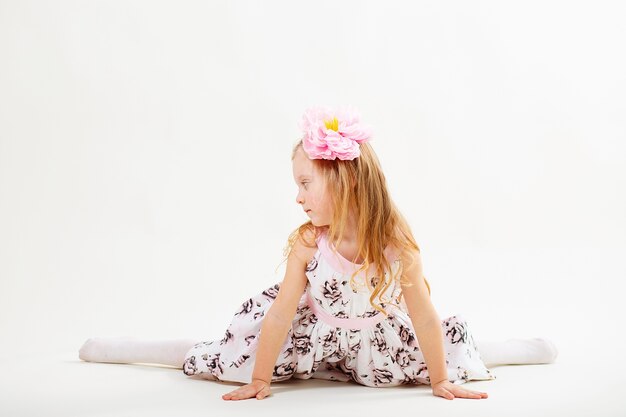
(425, 320)
(278, 319)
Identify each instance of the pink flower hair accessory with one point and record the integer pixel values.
(333, 133)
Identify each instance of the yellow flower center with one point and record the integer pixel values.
(332, 124)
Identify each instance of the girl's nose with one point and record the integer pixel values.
(299, 199)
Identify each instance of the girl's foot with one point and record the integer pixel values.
(518, 352)
(134, 350)
(109, 350)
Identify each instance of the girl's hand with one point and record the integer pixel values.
(448, 390)
(257, 388)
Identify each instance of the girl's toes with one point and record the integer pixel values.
(86, 351)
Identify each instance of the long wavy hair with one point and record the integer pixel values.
(360, 184)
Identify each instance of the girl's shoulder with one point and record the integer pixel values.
(305, 244)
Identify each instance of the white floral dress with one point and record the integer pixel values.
(337, 335)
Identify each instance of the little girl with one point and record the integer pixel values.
(353, 305)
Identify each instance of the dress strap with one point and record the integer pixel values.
(341, 264)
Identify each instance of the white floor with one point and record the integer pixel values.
(572, 297)
(60, 384)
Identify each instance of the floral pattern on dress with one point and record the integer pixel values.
(386, 354)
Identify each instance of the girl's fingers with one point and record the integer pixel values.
(467, 393)
(236, 393)
(247, 391)
(450, 393)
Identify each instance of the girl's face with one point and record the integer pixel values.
(312, 191)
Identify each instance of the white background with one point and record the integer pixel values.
(145, 175)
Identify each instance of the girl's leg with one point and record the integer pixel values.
(517, 352)
(133, 350)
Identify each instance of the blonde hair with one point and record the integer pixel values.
(360, 184)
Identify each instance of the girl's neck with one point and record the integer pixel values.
(349, 232)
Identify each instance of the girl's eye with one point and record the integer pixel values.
(305, 183)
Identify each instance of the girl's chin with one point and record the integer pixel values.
(318, 223)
